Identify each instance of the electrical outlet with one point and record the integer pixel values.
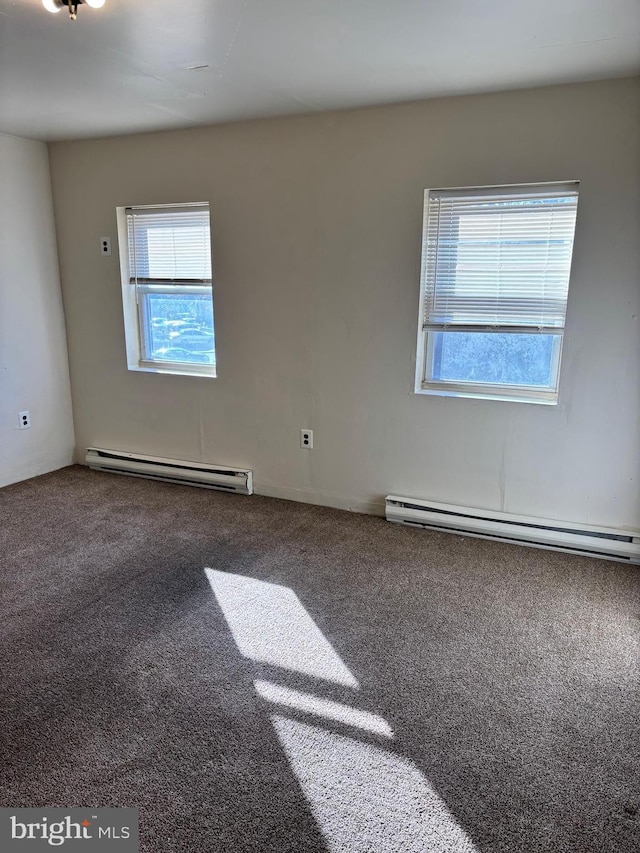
(105, 246)
(24, 420)
(306, 439)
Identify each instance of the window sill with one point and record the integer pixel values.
(540, 398)
(208, 370)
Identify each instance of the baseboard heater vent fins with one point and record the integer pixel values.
(602, 542)
(199, 474)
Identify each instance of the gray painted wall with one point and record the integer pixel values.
(34, 373)
(317, 230)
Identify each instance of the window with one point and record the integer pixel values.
(167, 289)
(495, 280)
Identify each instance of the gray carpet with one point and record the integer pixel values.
(332, 683)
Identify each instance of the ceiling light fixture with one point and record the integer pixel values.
(55, 6)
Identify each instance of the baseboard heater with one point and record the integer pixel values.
(602, 542)
(238, 480)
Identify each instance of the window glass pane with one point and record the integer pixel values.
(494, 358)
(180, 327)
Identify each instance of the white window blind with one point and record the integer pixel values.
(169, 245)
(499, 257)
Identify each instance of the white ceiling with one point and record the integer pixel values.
(125, 68)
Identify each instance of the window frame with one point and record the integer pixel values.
(135, 308)
(425, 384)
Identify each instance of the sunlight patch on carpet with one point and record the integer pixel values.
(365, 798)
(269, 624)
(315, 705)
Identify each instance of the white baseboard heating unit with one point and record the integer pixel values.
(605, 543)
(199, 474)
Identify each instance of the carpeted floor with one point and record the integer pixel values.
(331, 683)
